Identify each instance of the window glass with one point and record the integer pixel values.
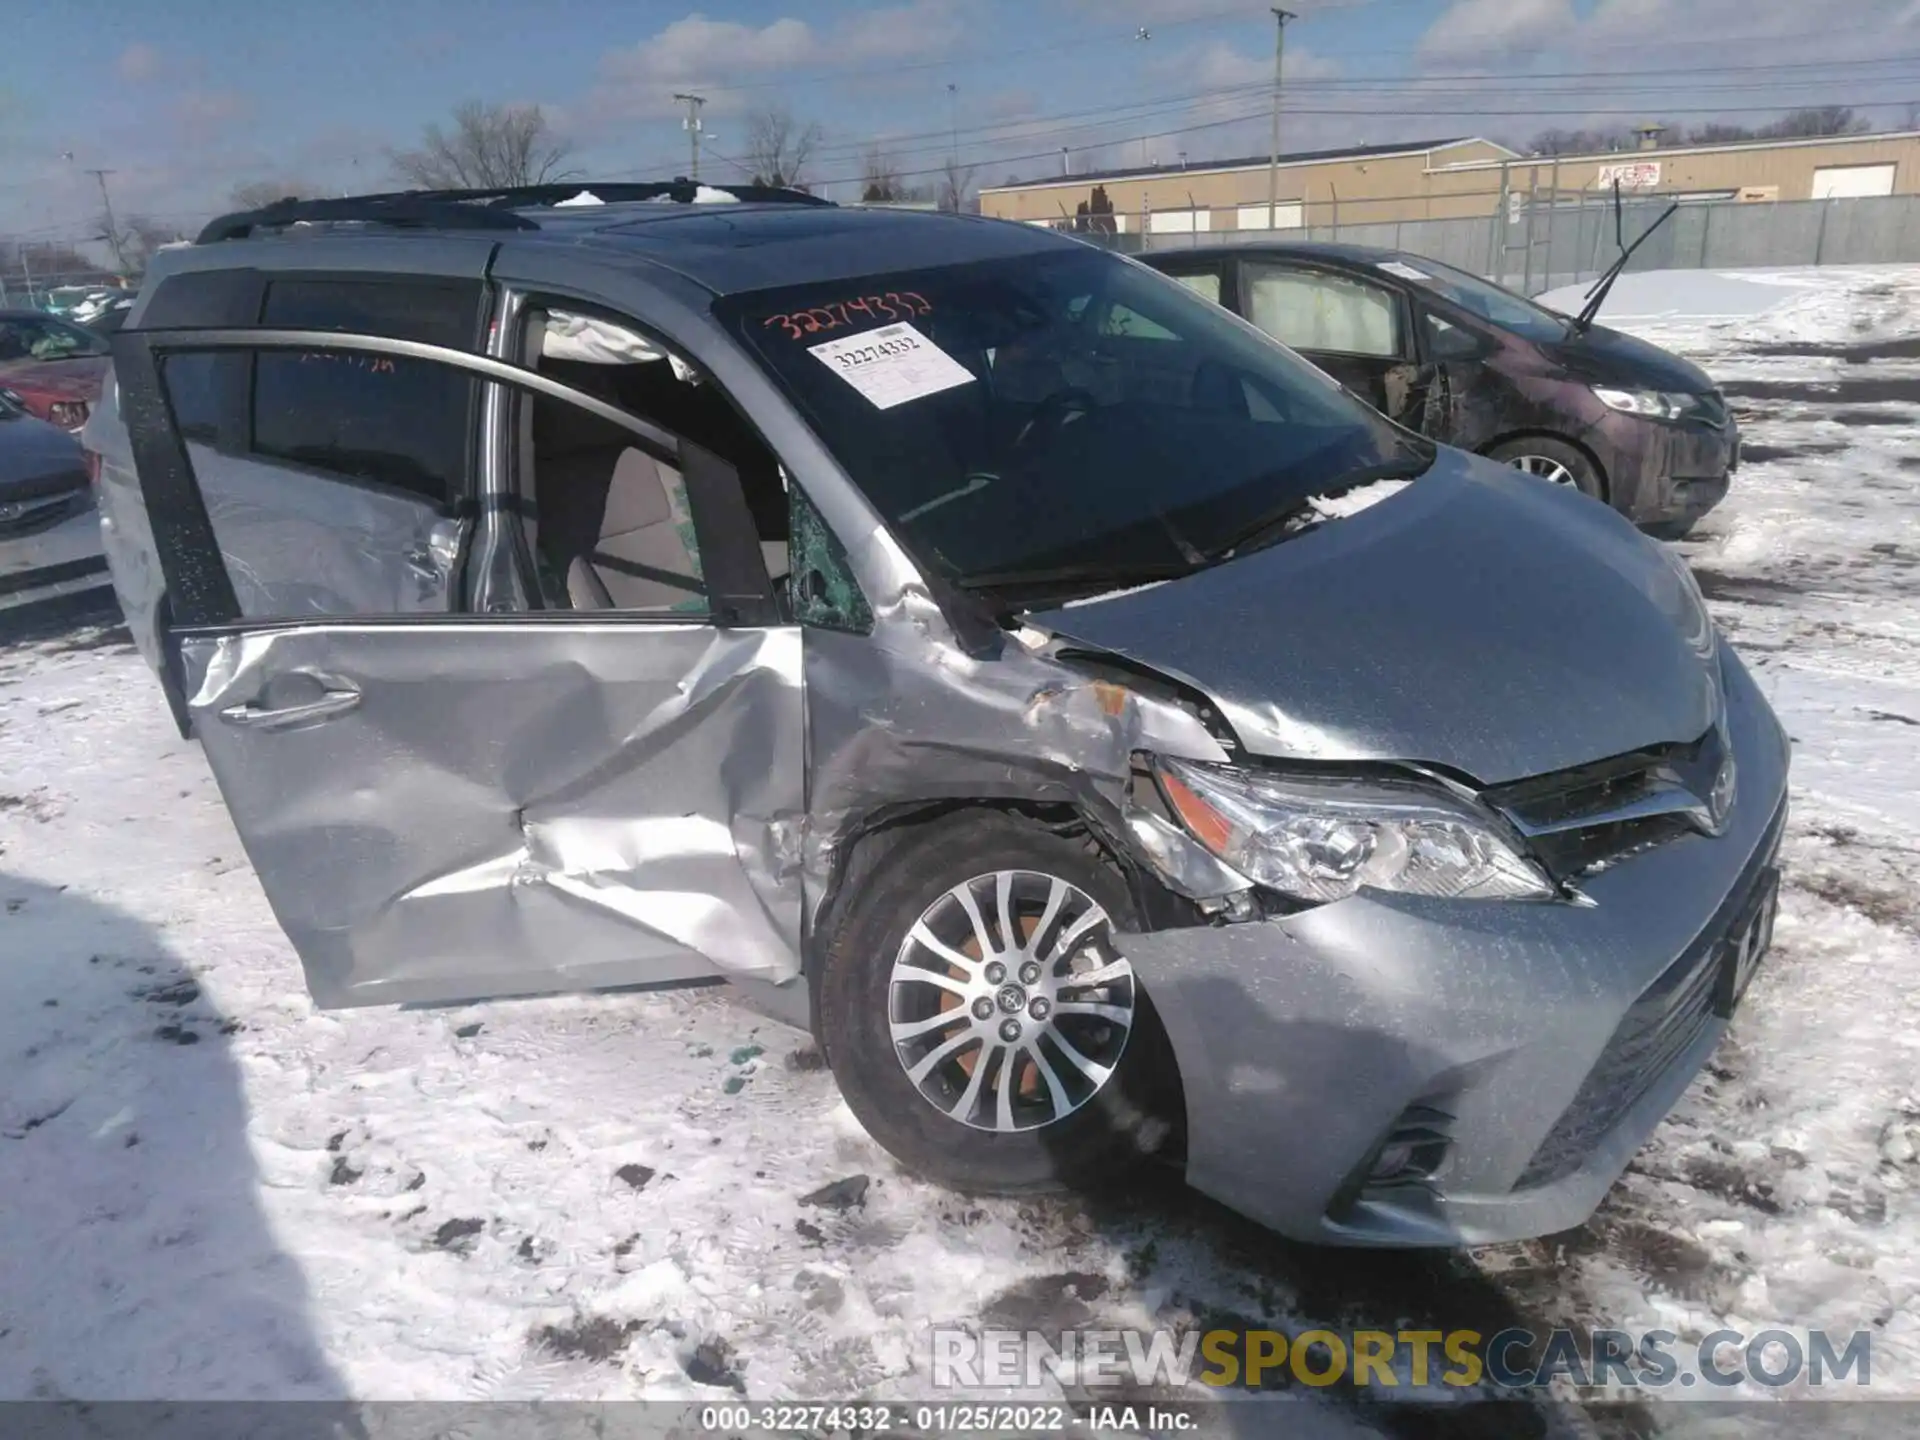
(822, 589)
(42, 337)
(1490, 302)
(385, 420)
(1206, 286)
(297, 542)
(1313, 310)
(191, 385)
(1447, 341)
(1020, 442)
(381, 419)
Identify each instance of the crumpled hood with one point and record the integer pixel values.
(1480, 620)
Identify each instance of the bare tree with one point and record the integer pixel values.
(956, 185)
(258, 194)
(1814, 121)
(141, 237)
(779, 147)
(490, 147)
(881, 181)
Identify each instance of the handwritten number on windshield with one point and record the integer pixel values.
(894, 305)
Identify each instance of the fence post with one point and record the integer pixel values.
(1706, 229)
(1820, 244)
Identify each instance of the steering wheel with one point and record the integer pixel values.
(1051, 415)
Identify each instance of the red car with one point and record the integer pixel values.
(53, 366)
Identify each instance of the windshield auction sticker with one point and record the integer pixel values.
(892, 365)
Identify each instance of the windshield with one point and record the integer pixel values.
(1058, 416)
(42, 337)
(1483, 298)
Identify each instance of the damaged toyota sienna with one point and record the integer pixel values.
(1111, 739)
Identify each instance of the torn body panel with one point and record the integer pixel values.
(508, 809)
(905, 717)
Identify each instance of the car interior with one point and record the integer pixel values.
(609, 524)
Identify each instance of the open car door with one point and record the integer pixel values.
(444, 805)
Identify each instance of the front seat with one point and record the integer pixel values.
(638, 553)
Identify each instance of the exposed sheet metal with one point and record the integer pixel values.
(905, 716)
(529, 808)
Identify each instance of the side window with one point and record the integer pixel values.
(609, 520)
(1445, 340)
(1315, 310)
(822, 590)
(329, 513)
(193, 388)
(1206, 285)
(1132, 325)
(386, 421)
(614, 527)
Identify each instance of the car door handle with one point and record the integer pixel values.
(261, 717)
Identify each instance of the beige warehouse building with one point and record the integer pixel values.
(1455, 178)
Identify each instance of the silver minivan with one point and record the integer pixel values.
(1109, 737)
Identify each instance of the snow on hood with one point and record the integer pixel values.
(1361, 497)
(585, 197)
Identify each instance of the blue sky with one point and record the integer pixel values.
(184, 101)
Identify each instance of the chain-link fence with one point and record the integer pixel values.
(1535, 246)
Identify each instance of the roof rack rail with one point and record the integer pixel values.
(478, 209)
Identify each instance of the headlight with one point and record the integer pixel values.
(1654, 404)
(1320, 839)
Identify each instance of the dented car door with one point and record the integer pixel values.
(454, 805)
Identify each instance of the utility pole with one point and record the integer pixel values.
(1273, 169)
(692, 126)
(113, 230)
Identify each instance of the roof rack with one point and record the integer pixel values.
(479, 209)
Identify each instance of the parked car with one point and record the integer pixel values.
(1476, 366)
(111, 315)
(1107, 735)
(49, 531)
(52, 365)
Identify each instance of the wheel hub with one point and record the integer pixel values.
(1008, 1007)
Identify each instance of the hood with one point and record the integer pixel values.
(1479, 620)
(1607, 357)
(74, 379)
(37, 459)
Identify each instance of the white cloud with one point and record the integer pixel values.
(1477, 33)
(696, 51)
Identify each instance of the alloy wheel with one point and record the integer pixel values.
(1008, 1006)
(1546, 468)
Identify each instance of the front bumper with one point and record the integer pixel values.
(1665, 478)
(1305, 1043)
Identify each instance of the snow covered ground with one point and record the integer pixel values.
(213, 1190)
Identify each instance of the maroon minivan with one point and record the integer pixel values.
(1478, 367)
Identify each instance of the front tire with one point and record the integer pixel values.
(1554, 461)
(978, 1019)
